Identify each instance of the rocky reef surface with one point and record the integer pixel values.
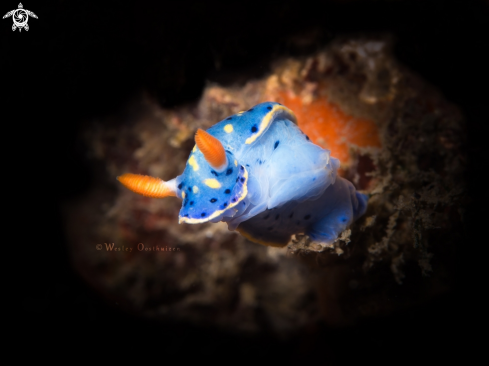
(398, 141)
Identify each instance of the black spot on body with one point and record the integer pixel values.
(214, 172)
(228, 151)
(180, 185)
(186, 215)
(225, 204)
(248, 165)
(229, 171)
(190, 189)
(237, 179)
(191, 203)
(227, 191)
(307, 138)
(234, 199)
(307, 217)
(202, 214)
(213, 200)
(254, 129)
(242, 180)
(276, 144)
(229, 118)
(269, 108)
(242, 168)
(249, 110)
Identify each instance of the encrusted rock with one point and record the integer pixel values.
(398, 141)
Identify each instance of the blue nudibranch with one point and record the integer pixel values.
(257, 171)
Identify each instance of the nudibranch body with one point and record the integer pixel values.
(257, 171)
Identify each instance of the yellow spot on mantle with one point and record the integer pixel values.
(228, 128)
(195, 148)
(183, 194)
(193, 163)
(213, 183)
(218, 212)
(235, 162)
(195, 189)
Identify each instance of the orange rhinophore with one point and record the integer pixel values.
(212, 149)
(148, 186)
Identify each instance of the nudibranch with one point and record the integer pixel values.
(259, 173)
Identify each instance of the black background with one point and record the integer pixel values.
(81, 60)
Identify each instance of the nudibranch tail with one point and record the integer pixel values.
(148, 186)
(212, 149)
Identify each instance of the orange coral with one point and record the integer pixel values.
(329, 127)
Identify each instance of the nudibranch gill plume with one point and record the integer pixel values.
(259, 173)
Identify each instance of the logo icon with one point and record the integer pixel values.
(20, 17)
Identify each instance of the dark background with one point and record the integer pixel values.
(82, 60)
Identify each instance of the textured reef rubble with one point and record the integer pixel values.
(398, 141)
